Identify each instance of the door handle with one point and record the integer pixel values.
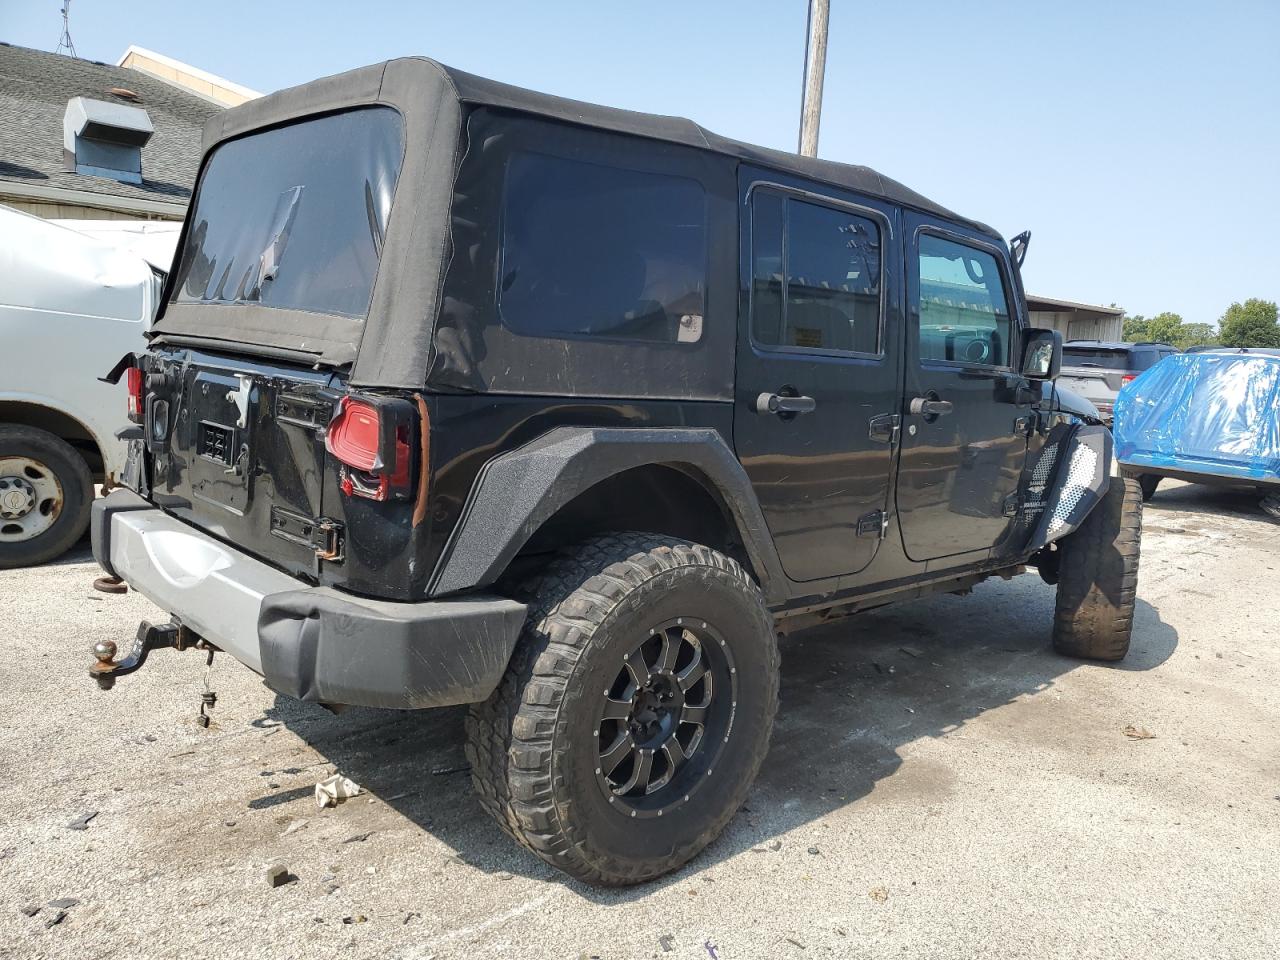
(782, 404)
(930, 408)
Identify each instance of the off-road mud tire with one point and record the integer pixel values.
(1147, 481)
(532, 768)
(1098, 577)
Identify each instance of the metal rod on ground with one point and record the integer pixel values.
(815, 67)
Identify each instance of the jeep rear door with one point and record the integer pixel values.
(960, 464)
(818, 369)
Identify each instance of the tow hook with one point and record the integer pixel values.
(150, 637)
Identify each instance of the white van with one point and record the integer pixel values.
(70, 307)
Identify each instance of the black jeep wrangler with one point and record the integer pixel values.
(462, 394)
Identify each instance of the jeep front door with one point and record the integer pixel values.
(964, 438)
(818, 371)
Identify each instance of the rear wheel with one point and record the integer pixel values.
(46, 493)
(636, 710)
(1098, 577)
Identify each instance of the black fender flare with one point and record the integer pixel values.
(1081, 478)
(517, 491)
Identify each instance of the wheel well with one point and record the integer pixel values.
(670, 499)
(61, 425)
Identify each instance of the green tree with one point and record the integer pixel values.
(1164, 327)
(1250, 324)
(1196, 335)
(1135, 328)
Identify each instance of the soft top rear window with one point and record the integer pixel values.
(294, 217)
(1105, 358)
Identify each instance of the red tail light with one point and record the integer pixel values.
(1127, 377)
(134, 382)
(375, 450)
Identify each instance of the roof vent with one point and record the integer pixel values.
(103, 139)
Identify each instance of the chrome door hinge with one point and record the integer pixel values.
(885, 428)
(875, 523)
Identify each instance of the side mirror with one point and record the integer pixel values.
(1041, 354)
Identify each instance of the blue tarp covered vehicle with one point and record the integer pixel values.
(1209, 417)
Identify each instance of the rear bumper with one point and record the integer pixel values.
(311, 643)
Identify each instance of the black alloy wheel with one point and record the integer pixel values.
(665, 717)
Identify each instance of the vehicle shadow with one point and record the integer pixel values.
(853, 693)
(1186, 501)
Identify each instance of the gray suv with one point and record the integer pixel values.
(1097, 369)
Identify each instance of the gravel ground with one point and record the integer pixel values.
(940, 785)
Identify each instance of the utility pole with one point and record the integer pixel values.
(815, 67)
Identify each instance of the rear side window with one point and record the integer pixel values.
(596, 251)
(1103, 358)
(294, 217)
(815, 276)
(964, 314)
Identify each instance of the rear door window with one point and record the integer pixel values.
(815, 277)
(294, 217)
(597, 251)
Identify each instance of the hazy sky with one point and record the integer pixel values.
(1139, 141)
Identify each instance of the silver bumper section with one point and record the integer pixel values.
(312, 643)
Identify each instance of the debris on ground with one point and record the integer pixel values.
(443, 771)
(278, 875)
(879, 894)
(65, 903)
(333, 789)
(775, 844)
(358, 918)
(295, 827)
(503, 875)
(912, 652)
(358, 837)
(814, 851)
(667, 942)
(794, 943)
(56, 919)
(1138, 733)
(82, 822)
(31, 909)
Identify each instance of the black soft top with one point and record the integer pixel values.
(392, 347)
(483, 92)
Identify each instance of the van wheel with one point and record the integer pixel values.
(46, 493)
(636, 710)
(1146, 481)
(1098, 577)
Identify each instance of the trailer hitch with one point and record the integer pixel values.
(150, 637)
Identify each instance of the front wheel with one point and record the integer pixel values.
(46, 493)
(1147, 482)
(1270, 505)
(1098, 577)
(636, 711)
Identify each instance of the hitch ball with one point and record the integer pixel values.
(105, 651)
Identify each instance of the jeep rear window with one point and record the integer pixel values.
(294, 217)
(590, 250)
(1103, 358)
